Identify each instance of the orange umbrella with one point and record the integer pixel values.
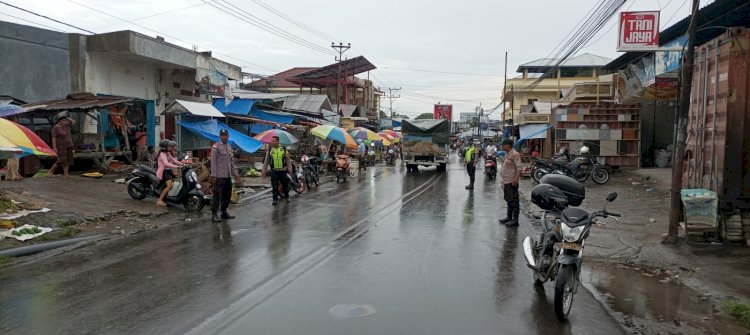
(24, 139)
(337, 134)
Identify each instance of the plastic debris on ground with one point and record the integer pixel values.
(25, 236)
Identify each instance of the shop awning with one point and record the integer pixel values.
(195, 108)
(210, 130)
(236, 106)
(258, 128)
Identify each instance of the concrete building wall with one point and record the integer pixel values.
(35, 63)
(112, 76)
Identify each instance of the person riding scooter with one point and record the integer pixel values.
(166, 161)
(342, 167)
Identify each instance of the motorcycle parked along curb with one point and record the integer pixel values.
(310, 171)
(142, 182)
(580, 168)
(557, 253)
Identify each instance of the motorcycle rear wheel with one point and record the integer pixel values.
(538, 173)
(136, 190)
(600, 176)
(564, 292)
(583, 177)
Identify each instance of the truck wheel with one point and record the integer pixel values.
(442, 167)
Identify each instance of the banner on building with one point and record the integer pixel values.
(668, 61)
(212, 80)
(444, 112)
(638, 31)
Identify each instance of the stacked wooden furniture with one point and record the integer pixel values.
(612, 132)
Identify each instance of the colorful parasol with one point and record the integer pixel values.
(285, 138)
(364, 134)
(392, 133)
(389, 136)
(337, 134)
(23, 138)
(387, 141)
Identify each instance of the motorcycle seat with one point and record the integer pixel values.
(575, 216)
(146, 168)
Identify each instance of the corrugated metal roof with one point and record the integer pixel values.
(313, 103)
(582, 60)
(195, 108)
(84, 100)
(348, 110)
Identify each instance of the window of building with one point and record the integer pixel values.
(531, 101)
(576, 72)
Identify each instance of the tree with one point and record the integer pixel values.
(383, 114)
(424, 116)
(397, 115)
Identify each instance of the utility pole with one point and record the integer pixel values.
(391, 97)
(512, 106)
(341, 48)
(505, 86)
(680, 140)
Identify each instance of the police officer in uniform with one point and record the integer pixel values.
(472, 156)
(278, 158)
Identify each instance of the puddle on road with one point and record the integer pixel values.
(656, 299)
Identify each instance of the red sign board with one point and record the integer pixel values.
(444, 112)
(639, 31)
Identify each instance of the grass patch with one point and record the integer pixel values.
(5, 205)
(63, 223)
(70, 231)
(738, 310)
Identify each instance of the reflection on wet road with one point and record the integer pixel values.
(389, 254)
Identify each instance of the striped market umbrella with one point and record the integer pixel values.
(394, 139)
(23, 139)
(387, 141)
(360, 133)
(334, 133)
(9, 110)
(285, 138)
(392, 133)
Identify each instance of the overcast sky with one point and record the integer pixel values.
(468, 37)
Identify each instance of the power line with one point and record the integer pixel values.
(35, 23)
(172, 37)
(312, 30)
(675, 13)
(391, 97)
(257, 22)
(153, 15)
(48, 18)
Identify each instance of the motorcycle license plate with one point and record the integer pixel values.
(571, 246)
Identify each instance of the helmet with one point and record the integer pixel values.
(163, 144)
(172, 144)
(305, 159)
(548, 197)
(584, 150)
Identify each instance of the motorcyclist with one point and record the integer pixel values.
(491, 150)
(165, 162)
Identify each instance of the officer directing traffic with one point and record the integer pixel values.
(281, 166)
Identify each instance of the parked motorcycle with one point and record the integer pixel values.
(490, 167)
(580, 168)
(142, 182)
(310, 171)
(557, 253)
(342, 168)
(390, 158)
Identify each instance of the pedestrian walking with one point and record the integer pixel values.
(362, 152)
(281, 167)
(222, 170)
(471, 157)
(510, 175)
(62, 143)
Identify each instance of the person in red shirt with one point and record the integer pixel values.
(141, 144)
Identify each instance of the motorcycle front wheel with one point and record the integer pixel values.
(564, 292)
(194, 203)
(300, 187)
(600, 176)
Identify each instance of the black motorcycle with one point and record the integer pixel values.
(310, 172)
(142, 182)
(581, 168)
(557, 253)
(390, 158)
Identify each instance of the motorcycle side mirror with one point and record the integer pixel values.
(611, 197)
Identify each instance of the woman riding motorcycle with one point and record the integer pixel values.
(166, 161)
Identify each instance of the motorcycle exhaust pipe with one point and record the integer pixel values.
(528, 253)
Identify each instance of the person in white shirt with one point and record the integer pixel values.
(491, 150)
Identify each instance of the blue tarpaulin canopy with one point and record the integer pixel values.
(237, 106)
(542, 128)
(210, 130)
(272, 117)
(258, 128)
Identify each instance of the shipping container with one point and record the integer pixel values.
(719, 123)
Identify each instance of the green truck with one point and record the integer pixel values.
(425, 142)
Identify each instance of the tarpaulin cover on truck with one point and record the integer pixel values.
(440, 130)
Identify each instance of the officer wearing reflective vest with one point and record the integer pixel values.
(472, 156)
(278, 158)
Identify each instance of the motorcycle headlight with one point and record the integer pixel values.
(193, 176)
(571, 234)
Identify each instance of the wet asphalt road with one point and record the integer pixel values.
(390, 253)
